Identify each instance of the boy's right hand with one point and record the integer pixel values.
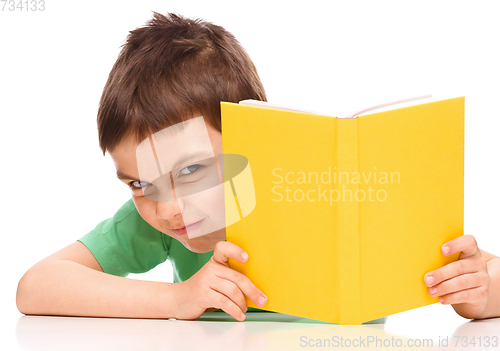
(216, 285)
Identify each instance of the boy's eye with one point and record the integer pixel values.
(137, 184)
(189, 169)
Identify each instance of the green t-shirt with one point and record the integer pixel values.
(126, 243)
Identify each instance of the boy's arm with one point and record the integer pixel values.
(71, 283)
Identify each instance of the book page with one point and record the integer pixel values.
(391, 105)
(265, 104)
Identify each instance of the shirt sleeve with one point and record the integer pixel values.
(126, 243)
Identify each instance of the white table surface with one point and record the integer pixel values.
(217, 331)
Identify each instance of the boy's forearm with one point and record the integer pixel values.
(492, 309)
(67, 288)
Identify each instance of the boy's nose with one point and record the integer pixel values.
(169, 210)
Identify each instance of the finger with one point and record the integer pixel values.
(475, 295)
(231, 290)
(466, 244)
(218, 300)
(453, 269)
(245, 285)
(225, 250)
(462, 282)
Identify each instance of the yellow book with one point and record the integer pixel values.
(349, 213)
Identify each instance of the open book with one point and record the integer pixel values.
(350, 213)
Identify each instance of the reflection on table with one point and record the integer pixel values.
(260, 331)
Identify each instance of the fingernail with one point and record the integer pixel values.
(262, 300)
(441, 299)
(446, 249)
(242, 316)
(244, 256)
(433, 291)
(430, 279)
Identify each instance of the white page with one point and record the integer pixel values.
(417, 100)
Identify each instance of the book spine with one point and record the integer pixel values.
(348, 220)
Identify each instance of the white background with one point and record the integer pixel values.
(326, 56)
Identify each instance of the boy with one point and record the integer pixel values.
(170, 71)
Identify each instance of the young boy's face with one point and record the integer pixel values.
(166, 214)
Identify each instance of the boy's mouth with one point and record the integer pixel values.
(186, 229)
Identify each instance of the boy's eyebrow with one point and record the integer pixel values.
(181, 162)
(121, 175)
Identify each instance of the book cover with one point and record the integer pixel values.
(349, 213)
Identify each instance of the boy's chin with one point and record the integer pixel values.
(205, 243)
(199, 247)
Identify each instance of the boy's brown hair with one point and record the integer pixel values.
(170, 70)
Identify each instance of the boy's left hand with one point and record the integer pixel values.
(464, 283)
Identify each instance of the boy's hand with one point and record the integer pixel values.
(464, 283)
(216, 285)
